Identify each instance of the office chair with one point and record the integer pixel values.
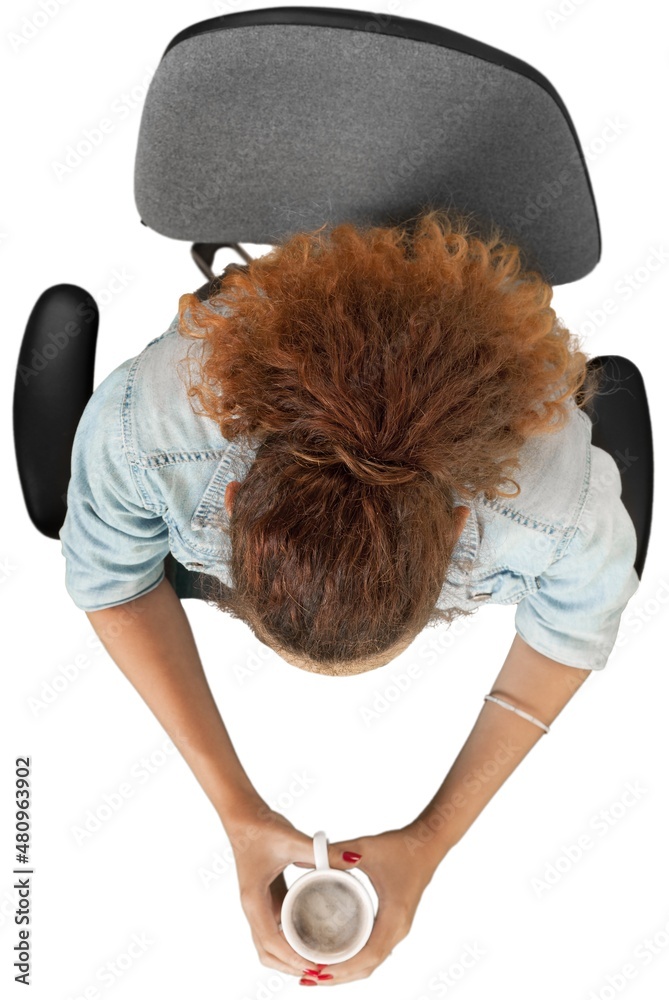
(263, 123)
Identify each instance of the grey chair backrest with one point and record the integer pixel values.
(266, 122)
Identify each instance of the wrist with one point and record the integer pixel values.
(244, 810)
(253, 819)
(425, 844)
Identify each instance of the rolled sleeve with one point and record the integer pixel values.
(574, 616)
(113, 544)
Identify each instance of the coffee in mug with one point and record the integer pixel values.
(327, 915)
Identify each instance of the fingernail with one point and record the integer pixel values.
(311, 972)
(307, 982)
(326, 977)
(351, 856)
(321, 965)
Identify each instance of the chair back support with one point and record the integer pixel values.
(263, 123)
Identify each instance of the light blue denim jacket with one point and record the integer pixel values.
(149, 475)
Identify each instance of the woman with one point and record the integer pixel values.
(365, 397)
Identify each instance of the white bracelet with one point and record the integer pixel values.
(518, 711)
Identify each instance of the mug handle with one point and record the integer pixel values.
(321, 851)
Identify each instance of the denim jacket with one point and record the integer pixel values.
(148, 476)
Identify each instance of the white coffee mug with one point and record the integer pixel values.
(330, 915)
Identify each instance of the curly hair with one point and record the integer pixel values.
(383, 374)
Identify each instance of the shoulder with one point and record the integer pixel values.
(553, 476)
(160, 418)
(523, 535)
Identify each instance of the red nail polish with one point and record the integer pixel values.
(311, 972)
(307, 982)
(321, 965)
(351, 856)
(325, 977)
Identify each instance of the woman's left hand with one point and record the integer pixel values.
(399, 879)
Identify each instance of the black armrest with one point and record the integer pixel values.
(54, 381)
(621, 425)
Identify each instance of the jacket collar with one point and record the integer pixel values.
(211, 507)
(234, 464)
(467, 546)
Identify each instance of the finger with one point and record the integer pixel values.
(258, 909)
(299, 850)
(304, 853)
(345, 854)
(278, 890)
(381, 942)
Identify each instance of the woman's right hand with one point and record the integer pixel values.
(263, 845)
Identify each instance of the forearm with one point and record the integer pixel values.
(496, 745)
(151, 641)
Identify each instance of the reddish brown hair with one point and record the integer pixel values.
(384, 375)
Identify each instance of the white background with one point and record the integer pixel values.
(141, 872)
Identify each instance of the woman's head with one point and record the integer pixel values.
(341, 668)
(387, 377)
